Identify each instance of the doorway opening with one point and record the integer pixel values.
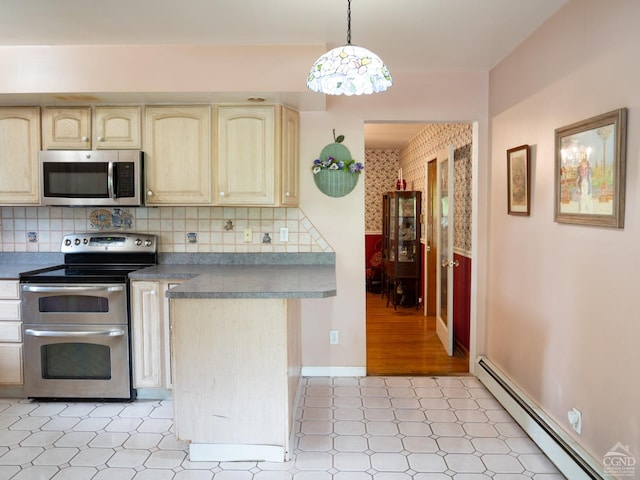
(402, 339)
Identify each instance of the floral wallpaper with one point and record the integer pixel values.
(382, 170)
(380, 174)
(462, 199)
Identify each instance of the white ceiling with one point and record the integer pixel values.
(390, 136)
(409, 35)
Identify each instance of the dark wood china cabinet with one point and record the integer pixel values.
(401, 247)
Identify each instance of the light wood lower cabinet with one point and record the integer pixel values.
(151, 334)
(10, 334)
(236, 373)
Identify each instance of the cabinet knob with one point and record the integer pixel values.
(286, 194)
(85, 139)
(149, 193)
(153, 293)
(222, 194)
(101, 139)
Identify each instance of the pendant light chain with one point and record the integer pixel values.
(348, 22)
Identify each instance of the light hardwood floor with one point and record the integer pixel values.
(404, 342)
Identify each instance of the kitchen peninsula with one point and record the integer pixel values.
(236, 359)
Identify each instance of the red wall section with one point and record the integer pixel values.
(462, 300)
(370, 246)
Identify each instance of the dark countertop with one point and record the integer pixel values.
(13, 264)
(241, 276)
(309, 275)
(245, 281)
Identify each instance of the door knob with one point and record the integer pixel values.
(450, 263)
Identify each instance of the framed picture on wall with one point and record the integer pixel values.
(590, 171)
(518, 181)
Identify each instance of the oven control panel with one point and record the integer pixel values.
(109, 242)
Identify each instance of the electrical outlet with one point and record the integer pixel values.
(575, 420)
(334, 337)
(284, 234)
(248, 235)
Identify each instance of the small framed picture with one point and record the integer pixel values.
(518, 181)
(590, 171)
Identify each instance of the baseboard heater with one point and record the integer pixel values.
(571, 459)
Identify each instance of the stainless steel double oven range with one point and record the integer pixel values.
(76, 325)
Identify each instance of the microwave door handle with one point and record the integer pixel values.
(110, 182)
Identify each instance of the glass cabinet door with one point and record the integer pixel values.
(393, 234)
(402, 231)
(406, 229)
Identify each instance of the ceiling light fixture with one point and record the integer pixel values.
(349, 70)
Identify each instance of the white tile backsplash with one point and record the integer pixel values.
(171, 224)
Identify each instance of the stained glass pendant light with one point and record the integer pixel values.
(349, 70)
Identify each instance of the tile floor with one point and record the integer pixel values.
(372, 428)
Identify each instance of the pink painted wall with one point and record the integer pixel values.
(155, 68)
(562, 301)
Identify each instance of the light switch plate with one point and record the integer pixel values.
(248, 235)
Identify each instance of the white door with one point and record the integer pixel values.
(444, 292)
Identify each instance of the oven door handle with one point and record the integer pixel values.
(56, 333)
(92, 288)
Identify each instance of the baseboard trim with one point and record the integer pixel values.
(334, 372)
(571, 459)
(216, 452)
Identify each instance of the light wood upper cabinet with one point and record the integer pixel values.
(177, 146)
(257, 155)
(245, 145)
(66, 128)
(19, 147)
(117, 128)
(290, 158)
(70, 128)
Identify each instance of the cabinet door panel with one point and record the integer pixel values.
(10, 364)
(9, 290)
(66, 128)
(19, 147)
(117, 127)
(10, 332)
(246, 155)
(146, 334)
(10, 310)
(178, 155)
(289, 162)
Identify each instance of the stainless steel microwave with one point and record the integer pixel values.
(91, 178)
